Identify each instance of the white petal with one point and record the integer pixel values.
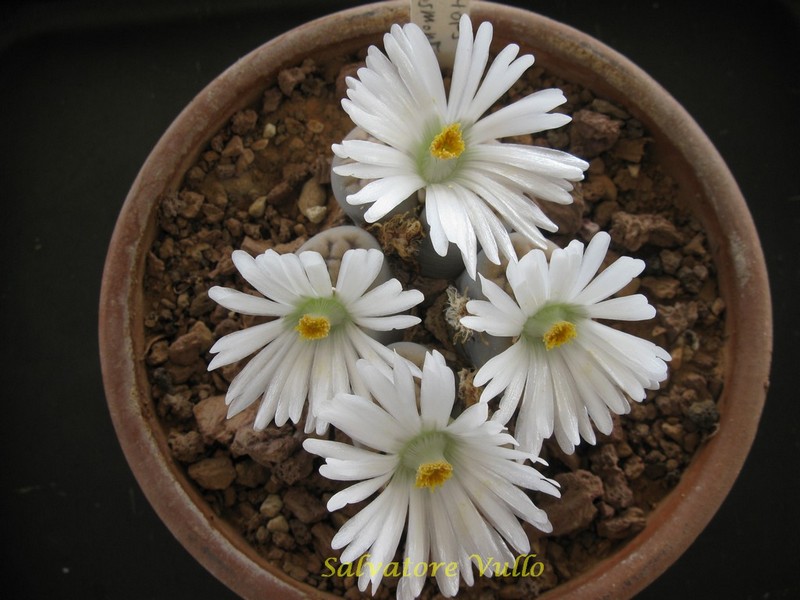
(487, 227)
(386, 194)
(626, 308)
(247, 304)
(339, 450)
(613, 279)
(357, 492)
(519, 212)
(536, 417)
(376, 465)
(495, 512)
(278, 285)
(437, 392)
(564, 267)
(499, 298)
(452, 217)
(376, 126)
(388, 323)
(487, 317)
(288, 270)
(247, 267)
(529, 280)
(435, 230)
(396, 395)
(370, 349)
(513, 392)
(360, 532)
(444, 545)
(553, 163)
(239, 344)
(502, 74)
(386, 299)
(252, 380)
(417, 545)
(566, 402)
(471, 418)
(317, 273)
(529, 115)
(372, 153)
(357, 271)
(587, 378)
(279, 399)
(592, 259)
(468, 66)
(417, 66)
(388, 538)
(472, 527)
(365, 422)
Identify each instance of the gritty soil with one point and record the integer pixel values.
(264, 182)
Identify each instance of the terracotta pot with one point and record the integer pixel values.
(687, 155)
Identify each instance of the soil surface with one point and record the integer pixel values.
(264, 182)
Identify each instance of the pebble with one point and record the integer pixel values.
(234, 147)
(599, 187)
(213, 424)
(212, 214)
(283, 540)
(216, 473)
(575, 510)
(703, 414)
(289, 79)
(607, 108)
(178, 405)
(593, 133)
(312, 200)
(615, 484)
(322, 534)
(250, 474)
(245, 159)
(315, 126)
(257, 207)
(189, 204)
(295, 468)
(568, 217)
(270, 102)
(633, 467)
(278, 523)
(631, 150)
(202, 304)
(186, 447)
(279, 193)
(625, 525)
(663, 288)
(244, 121)
(158, 354)
(271, 506)
(673, 430)
(670, 260)
(632, 231)
(303, 505)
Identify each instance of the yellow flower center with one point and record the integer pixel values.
(313, 327)
(449, 143)
(432, 474)
(559, 333)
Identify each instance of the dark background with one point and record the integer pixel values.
(87, 88)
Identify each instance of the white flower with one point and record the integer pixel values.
(439, 143)
(566, 367)
(311, 348)
(456, 482)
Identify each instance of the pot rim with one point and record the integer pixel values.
(680, 516)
